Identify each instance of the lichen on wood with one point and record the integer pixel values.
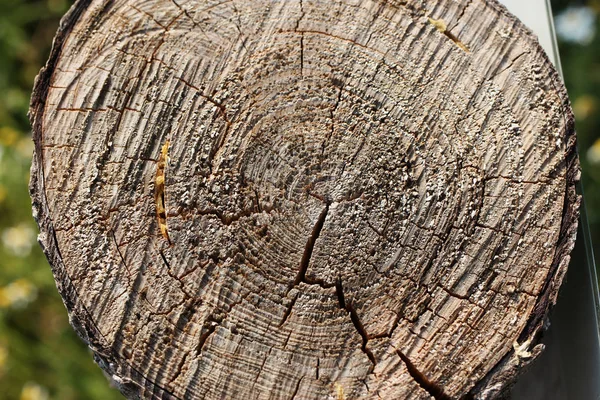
(355, 199)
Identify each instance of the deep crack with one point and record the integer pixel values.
(361, 331)
(431, 387)
(297, 388)
(310, 245)
(301, 277)
(288, 311)
(205, 335)
(339, 290)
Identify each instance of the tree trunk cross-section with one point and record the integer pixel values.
(304, 199)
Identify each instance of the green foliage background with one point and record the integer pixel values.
(40, 356)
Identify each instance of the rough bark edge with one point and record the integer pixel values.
(500, 379)
(133, 384)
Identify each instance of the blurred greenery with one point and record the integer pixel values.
(40, 356)
(581, 68)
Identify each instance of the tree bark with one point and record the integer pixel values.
(346, 199)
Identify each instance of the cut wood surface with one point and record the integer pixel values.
(326, 199)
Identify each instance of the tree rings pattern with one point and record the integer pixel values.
(357, 199)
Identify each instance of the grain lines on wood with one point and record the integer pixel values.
(364, 199)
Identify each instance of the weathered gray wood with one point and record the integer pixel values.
(362, 199)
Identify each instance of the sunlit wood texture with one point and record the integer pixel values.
(362, 199)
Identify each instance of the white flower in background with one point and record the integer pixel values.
(576, 24)
(19, 239)
(33, 391)
(593, 153)
(17, 294)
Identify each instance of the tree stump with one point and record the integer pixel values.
(304, 199)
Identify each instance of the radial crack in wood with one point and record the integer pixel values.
(434, 390)
(304, 199)
(310, 245)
